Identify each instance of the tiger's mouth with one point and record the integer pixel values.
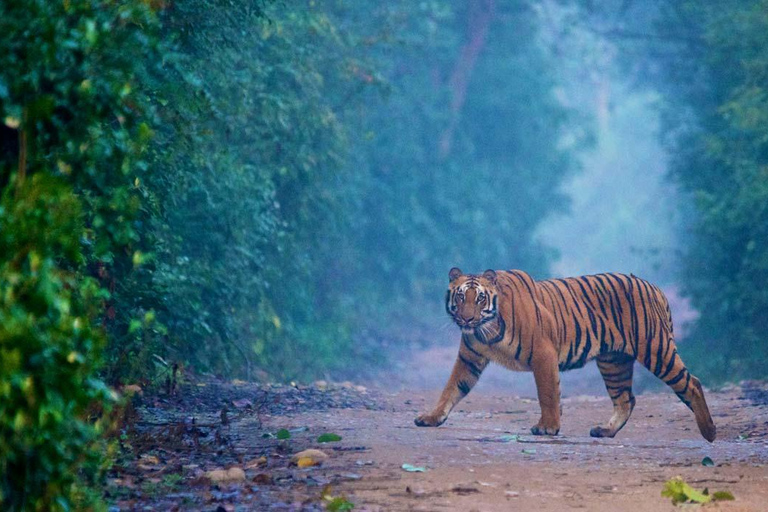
(474, 323)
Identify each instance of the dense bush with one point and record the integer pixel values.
(721, 159)
(306, 159)
(72, 144)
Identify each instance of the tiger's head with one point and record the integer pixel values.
(471, 299)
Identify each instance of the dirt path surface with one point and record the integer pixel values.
(483, 458)
(471, 467)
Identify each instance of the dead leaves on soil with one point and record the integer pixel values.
(308, 458)
(226, 476)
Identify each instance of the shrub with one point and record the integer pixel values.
(72, 141)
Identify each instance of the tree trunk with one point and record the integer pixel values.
(479, 19)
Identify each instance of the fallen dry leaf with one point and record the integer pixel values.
(132, 389)
(256, 463)
(149, 463)
(149, 459)
(262, 479)
(308, 458)
(306, 462)
(226, 475)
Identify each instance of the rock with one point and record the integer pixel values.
(308, 458)
(230, 475)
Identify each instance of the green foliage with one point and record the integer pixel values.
(339, 504)
(241, 167)
(722, 161)
(441, 185)
(48, 349)
(710, 62)
(328, 437)
(72, 138)
(286, 193)
(251, 188)
(681, 492)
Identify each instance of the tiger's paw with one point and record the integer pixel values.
(545, 430)
(602, 432)
(429, 420)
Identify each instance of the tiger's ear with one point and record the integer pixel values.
(490, 275)
(454, 274)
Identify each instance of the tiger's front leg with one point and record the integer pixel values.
(466, 372)
(547, 376)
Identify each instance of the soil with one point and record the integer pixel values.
(482, 459)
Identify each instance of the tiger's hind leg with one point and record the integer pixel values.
(616, 370)
(667, 365)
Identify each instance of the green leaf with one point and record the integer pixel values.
(339, 504)
(723, 496)
(706, 461)
(328, 438)
(681, 492)
(414, 469)
(283, 433)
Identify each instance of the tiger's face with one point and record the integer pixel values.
(471, 299)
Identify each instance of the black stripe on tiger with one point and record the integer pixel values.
(474, 369)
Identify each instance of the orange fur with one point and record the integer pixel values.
(560, 324)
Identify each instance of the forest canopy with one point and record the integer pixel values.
(297, 170)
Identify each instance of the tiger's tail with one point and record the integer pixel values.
(688, 388)
(671, 369)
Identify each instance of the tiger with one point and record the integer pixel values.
(556, 325)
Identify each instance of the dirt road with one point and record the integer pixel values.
(474, 462)
(482, 459)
